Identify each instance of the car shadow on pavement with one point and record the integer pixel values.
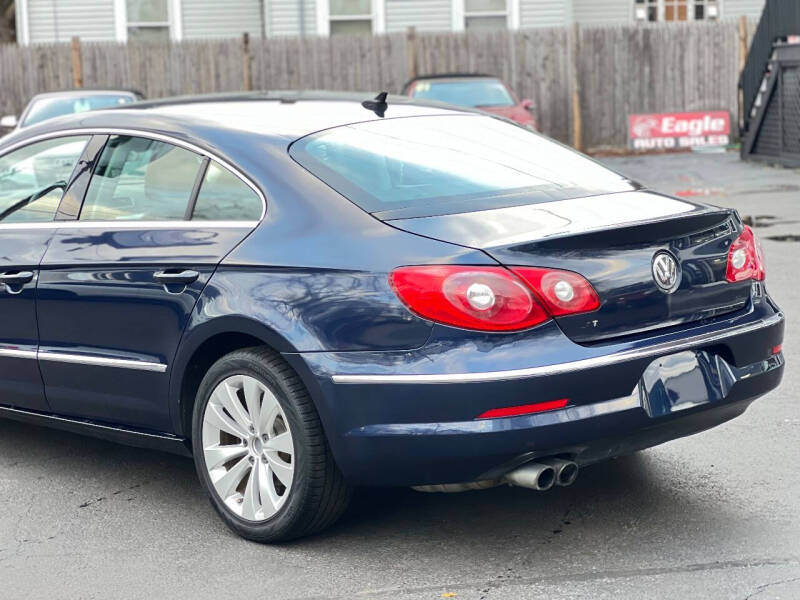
(609, 500)
(505, 511)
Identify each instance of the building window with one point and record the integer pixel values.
(148, 21)
(646, 10)
(350, 17)
(676, 10)
(485, 14)
(706, 9)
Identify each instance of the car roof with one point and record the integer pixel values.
(280, 116)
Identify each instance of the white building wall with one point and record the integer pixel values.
(425, 15)
(94, 20)
(214, 19)
(58, 21)
(602, 12)
(544, 13)
(284, 17)
(732, 9)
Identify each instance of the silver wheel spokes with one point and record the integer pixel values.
(248, 448)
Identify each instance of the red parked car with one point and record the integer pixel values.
(475, 91)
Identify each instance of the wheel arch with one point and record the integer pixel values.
(205, 344)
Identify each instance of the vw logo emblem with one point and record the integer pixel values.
(666, 273)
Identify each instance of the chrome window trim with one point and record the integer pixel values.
(111, 225)
(84, 359)
(567, 367)
(149, 135)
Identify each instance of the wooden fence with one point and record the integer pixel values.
(583, 81)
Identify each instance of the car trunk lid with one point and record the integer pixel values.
(612, 241)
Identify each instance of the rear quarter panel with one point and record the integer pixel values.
(313, 277)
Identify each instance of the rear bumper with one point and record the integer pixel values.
(409, 418)
(455, 452)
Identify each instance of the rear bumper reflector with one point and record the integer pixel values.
(526, 409)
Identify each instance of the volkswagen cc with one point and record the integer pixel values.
(308, 293)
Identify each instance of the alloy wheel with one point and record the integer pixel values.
(248, 448)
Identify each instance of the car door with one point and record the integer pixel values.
(117, 284)
(33, 179)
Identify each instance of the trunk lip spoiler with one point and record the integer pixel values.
(657, 349)
(479, 239)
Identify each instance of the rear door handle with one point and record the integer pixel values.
(174, 277)
(16, 277)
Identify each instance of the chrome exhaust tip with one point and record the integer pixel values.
(532, 475)
(566, 470)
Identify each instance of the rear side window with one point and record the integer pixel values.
(33, 179)
(423, 166)
(225, 197)
(140, 179)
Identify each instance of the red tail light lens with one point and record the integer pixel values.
(561, 292)
(481, 298)
(745, 258)
(527, 409)
(492, 298)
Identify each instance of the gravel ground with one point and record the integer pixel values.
(711, 516)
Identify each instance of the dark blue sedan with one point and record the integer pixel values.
(309, 293)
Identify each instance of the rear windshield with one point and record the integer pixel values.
(472, 93)
(425, 166)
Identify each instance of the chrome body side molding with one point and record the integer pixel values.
(99, 361)
(15, 353)
(84, 359)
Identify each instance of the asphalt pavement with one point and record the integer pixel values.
(715, 515)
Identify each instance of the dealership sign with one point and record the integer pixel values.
(673, 131)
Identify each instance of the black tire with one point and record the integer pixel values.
(319, 494)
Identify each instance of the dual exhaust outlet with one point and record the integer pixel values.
(540, 475)
(543, 474)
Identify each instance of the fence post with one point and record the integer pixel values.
(411, 49)
(247, 76)
(77, 63)
(743, 46)
(577, 124)
(743, 51)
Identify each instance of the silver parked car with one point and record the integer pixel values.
(56, 104)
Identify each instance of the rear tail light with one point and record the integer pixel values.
(482, 298)
(561, 292)
(492, 298)
(745, 258)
